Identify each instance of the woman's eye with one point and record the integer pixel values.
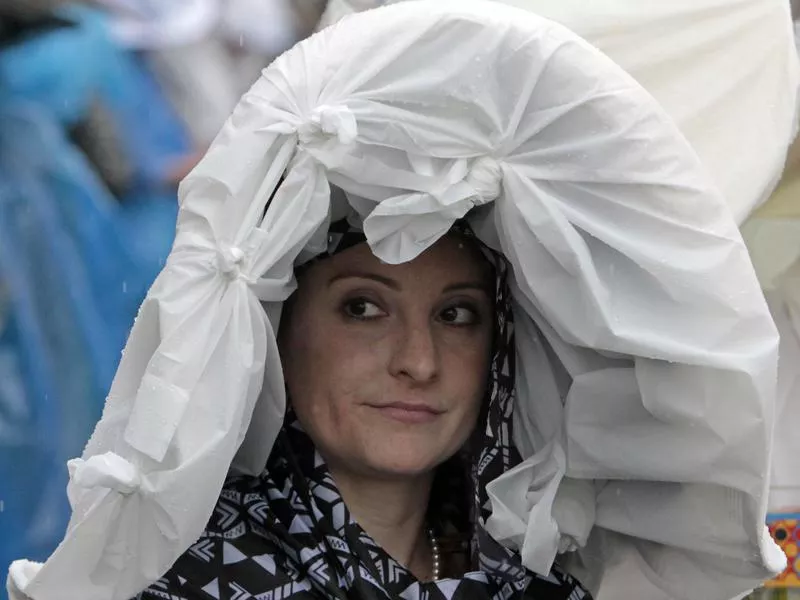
(361, 308)
(458, 315)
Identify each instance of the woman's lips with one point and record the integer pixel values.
(410, 413)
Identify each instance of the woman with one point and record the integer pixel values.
(373, 481)
(391, 395)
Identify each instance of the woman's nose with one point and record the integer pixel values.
(415, 355)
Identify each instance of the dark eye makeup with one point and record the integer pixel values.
(361, 309)
(460, 313)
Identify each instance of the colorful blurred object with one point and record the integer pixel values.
(785, 531)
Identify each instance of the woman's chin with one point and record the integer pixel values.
(399, 464)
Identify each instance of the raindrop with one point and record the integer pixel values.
(124, 287)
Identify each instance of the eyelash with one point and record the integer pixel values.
(347, 304)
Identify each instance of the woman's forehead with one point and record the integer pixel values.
(451, 258)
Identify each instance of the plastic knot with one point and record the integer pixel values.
(485, 176)
(229, 259)
(20, 574)
(327, 122)
(108, 470)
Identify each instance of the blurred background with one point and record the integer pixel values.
(104, 108)
(105, 105)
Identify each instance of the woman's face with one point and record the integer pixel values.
(386, 364)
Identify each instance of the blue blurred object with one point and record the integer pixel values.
(152, 132)
(75, 262)
(74, 267)
(64, 70)
(65, 315)
(58, 70)
(154, 138)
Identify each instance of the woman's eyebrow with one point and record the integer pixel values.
(470, 285)
(388, 282)
(394, 285)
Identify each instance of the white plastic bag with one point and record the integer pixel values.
(725, 71)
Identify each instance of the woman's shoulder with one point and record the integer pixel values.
(240, 509)
(233, 553)
(558, 585)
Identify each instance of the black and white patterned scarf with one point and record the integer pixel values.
(288, 534)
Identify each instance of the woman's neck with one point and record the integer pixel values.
(392, 512)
